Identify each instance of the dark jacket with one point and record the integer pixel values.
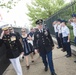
(13, 45)
(43, 41)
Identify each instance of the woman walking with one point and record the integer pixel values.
(27, 49)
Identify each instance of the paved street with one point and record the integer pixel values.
(63, 65)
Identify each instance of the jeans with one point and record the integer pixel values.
(48, 56)
(67, 45)
(75, 40)
(58, 40)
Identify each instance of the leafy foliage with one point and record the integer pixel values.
(43, 9)
(66, 15)
(8, 3)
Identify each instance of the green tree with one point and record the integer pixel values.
(8, 3)
(43, 9)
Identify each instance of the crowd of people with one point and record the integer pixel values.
(62, 33)
(38, 40)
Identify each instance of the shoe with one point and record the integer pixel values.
(23, 57)
(27, 67)
(75, 61)
(68, 56)
(59, 47)
(33, 53)
(53, 73)
(32, 61)
(63, 50)
(46, 69)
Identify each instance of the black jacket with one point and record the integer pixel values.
(13, 45)
(43, 41)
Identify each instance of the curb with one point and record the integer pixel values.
(73, 48)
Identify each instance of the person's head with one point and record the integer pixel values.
(70, 20)
(39, 23)
(55, 22)
(31, 30)
(11, 30)
(74, 17)
(23, 31)
(5, 28)
(63, 23)
(58, 21)
(35, 29)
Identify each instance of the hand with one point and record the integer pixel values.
(22, 53)
(36, 51)
(68, 40)
(2, 34)
(52, 48)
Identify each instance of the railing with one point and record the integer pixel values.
(64, 13)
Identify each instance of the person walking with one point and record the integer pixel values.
(13, 48)
(26, 47)
(43, 43)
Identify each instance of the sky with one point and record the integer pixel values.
(17, 14)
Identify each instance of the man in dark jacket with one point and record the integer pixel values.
(11, 29)
(44, 44)
(13, 46)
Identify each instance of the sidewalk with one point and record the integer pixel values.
(72, 47)
(63, 65)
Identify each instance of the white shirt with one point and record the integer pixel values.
(30, 41)
(65, 31)
(41, 30)
(55, 28)
(59, 29)
(74, 28)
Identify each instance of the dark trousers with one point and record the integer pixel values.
(67, 45)
(61, 38)
(75, 40)
(58, 40)
(47, 59)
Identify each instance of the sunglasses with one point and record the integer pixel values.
(22, 31)
(10, 29)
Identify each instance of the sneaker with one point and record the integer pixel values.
(32, 61)
(75, 61)
(27, 67)
(46, 69)
(63, 50)
(59, 47)
(68, 56)
(53, 73)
